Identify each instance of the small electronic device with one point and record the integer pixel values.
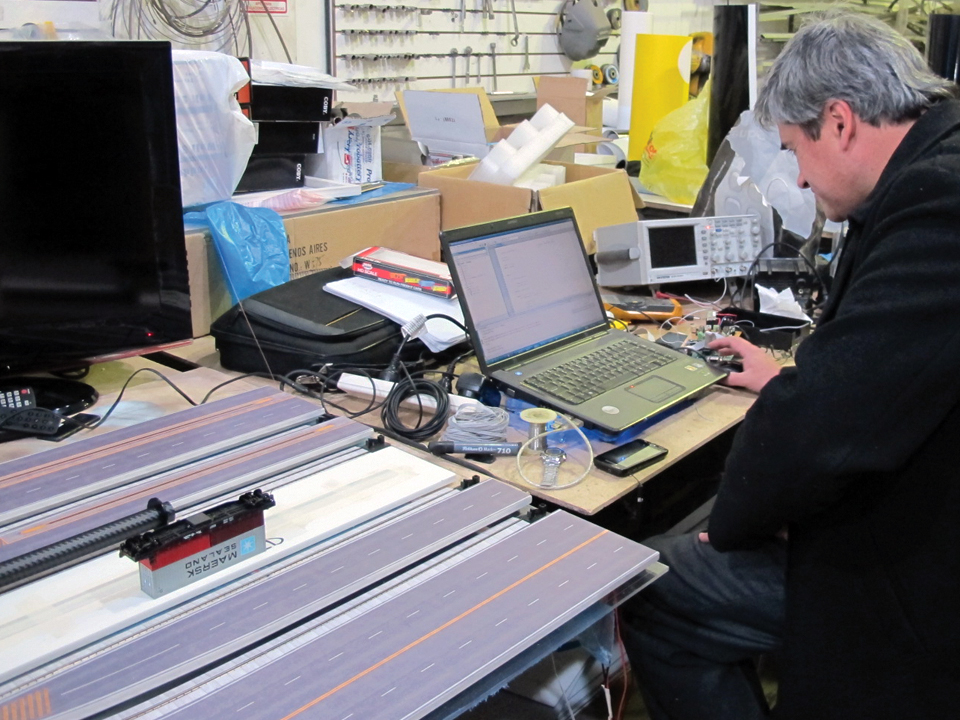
(649, 252)
(629, 457)
(30, 420)
(15, 398)
(644, 309)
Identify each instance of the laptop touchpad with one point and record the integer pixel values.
(655, 389)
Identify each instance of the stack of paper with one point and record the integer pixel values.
(402, 306)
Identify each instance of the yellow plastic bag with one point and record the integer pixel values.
(674, 162)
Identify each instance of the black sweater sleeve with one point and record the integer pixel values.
(870, 385)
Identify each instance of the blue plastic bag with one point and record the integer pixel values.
(251, 244)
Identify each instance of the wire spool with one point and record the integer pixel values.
(538, 418)
(597, 74)
(610, 74)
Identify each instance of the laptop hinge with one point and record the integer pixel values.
(548, 350)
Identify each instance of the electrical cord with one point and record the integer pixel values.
(415, 387)
(477, 423)
(754, 268)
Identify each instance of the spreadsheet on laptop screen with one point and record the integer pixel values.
(526, 288)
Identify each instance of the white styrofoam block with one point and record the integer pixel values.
(511, 158)
(522, 134)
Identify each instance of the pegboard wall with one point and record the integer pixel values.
(382, 47)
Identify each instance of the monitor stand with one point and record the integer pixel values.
(66, 397)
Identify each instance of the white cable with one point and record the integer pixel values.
(668, 323)
(477, 423)
(784, 327)
(526, 444)
(710, 303)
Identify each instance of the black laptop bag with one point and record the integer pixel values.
(300, 326)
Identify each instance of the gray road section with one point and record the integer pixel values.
(406, 657)
(55, 477)
(227, 472)
(165, 651)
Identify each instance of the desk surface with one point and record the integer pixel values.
(682, 433)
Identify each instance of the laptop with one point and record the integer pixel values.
(540, 332)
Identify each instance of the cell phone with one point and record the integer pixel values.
(630, 457)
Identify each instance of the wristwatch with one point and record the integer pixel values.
(552, 459)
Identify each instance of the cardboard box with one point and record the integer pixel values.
(318, 239)
(280, 102)
(598, 196)
(461, 122)
(351, 150)
(272, 172)
(569, 95)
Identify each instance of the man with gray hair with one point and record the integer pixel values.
(834, 542)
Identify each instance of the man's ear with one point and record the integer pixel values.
(840, 123)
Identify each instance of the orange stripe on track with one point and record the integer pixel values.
(443, 627)
(110, 449)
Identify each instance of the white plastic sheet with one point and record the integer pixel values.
(214, 136)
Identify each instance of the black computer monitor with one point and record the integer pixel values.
(92, 254)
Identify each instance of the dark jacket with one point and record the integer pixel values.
(856, 451)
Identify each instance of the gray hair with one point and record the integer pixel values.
(852, 57)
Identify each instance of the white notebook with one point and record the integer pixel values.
(402, 306)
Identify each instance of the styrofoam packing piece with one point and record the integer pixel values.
(506, 163)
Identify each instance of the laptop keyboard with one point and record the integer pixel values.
(586, 377)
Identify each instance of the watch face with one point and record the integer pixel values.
(554, 456)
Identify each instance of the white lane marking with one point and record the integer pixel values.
(513, 558)
(347, 716)
(467, 507)
(378, 632)
(294, 680)
(74, 477)
(413, 613)
(220, 625)
(123, 669)
(563, 583)
(450, 593)
(407, 536)
(619, 549)
(428, 667)
(33, 490)
(144, 455)
(374, 552)
(262, 605)
(177, 444)
(337, 570)
(568, 526)
(108, 466)
(465, 644)
(531, 603)
(501, 622)
(299, 587)
(542, 542)
(389, 691)
(497, 493)
(482, 574)
(334, 657)
(246, 706)
(590, 566)
(208, 434)
(438, 521)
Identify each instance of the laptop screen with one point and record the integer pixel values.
(525, 288)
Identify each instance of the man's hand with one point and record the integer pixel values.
(758, 367)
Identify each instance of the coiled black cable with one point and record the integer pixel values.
(415, 387)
